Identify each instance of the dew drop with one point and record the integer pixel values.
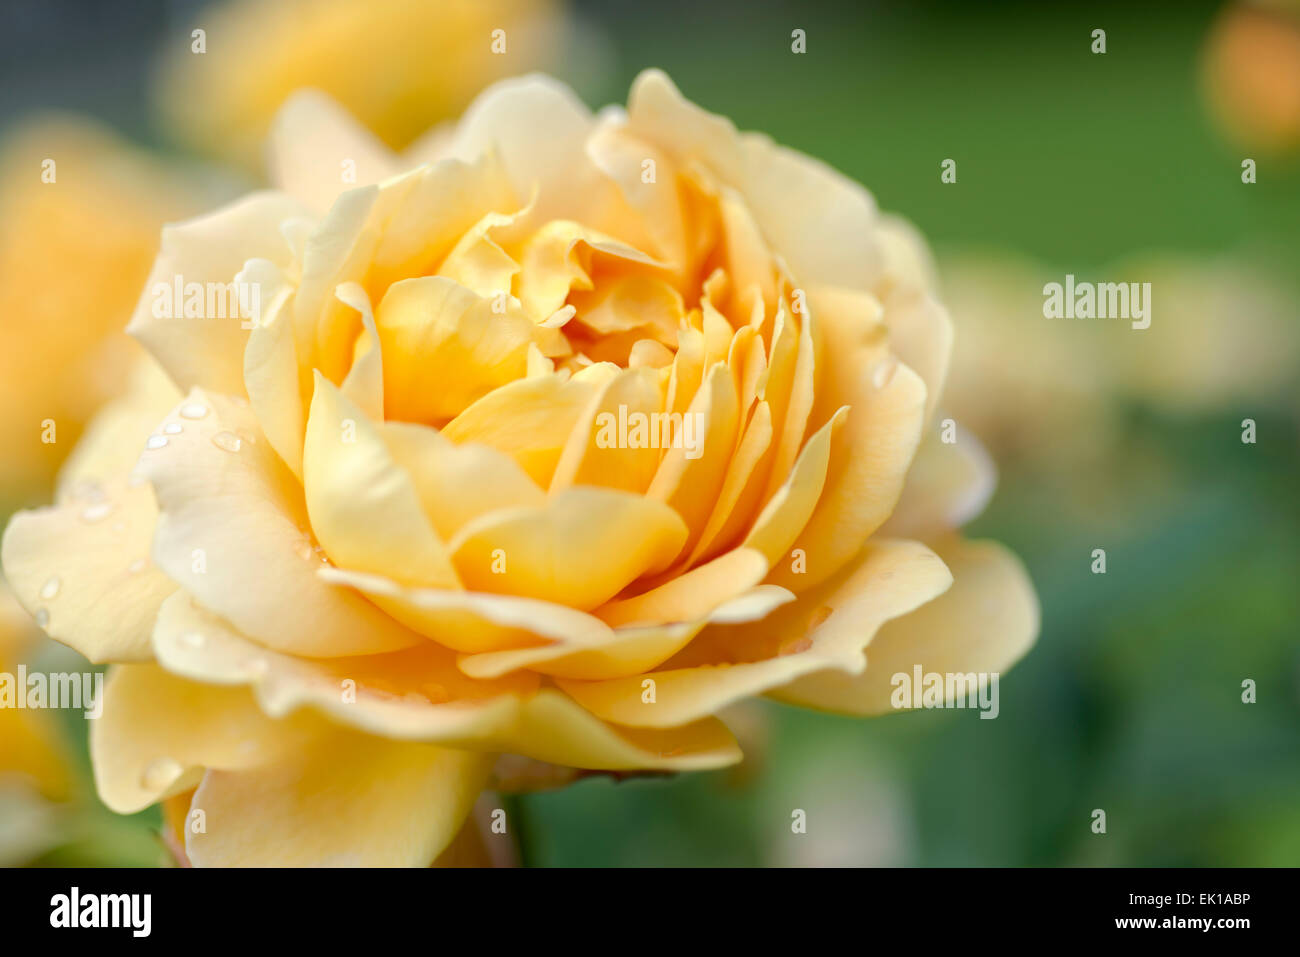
(173, 428)
(193, 410)
(227, 441)
(883, 372)
(156, 442)
(160, 774)
(93, 513)
(42, 617)
(51, 587)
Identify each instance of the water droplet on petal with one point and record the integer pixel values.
(156, 442)
(51, 587)
(42, 617)
(173, 428)
(193, 410)
(883, 372)
(160, 774)
(227, 441)
(93, 513)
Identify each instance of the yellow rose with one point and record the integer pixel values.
(70, 192)
(398, 65)
(399, 526)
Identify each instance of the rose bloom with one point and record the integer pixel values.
(400, 66)
(376, 540)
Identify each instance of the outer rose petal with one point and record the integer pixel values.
(870, 457)
(820, 221)
(889, 579)
(209, 351)
(225, 495)
(984, 624)
(342, 800)
(158, 732)
(539, 129)
(82, 568)
(312, 141)
(85, 562)
(947, 486)
(393, 701)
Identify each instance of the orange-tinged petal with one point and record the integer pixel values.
(982, 625)
(233, 532)
(363, 507)
(341, 800)
(208, 351)
(579, 549)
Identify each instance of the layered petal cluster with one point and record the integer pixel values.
(400, 518)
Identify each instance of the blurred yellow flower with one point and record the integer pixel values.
(418, 506)
(1252, 74)
(81, 213)
(400, 66)
(29, 742)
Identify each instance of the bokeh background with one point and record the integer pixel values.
(1117, 167)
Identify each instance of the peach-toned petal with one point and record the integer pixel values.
(82, 568)
(690, 478)
(579, 549)
(819, 221)
(110, 446)
(363, 507)
(983, 624)
(921, 334)
(412, 696)
(870, 459)
(317, 150)
(457, 483)
(652, 627)
(786, 513)
(208, 350)
(446, 347)
(538, 128)
(271, 371)
(530, 420)
(947, 486)
(341, 800)
(825, 630)
(594, 454)
(158, 732)
(233, 532)
(741, 488)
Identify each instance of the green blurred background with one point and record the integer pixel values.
(1067, 162)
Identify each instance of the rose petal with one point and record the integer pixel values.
(983, 624)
